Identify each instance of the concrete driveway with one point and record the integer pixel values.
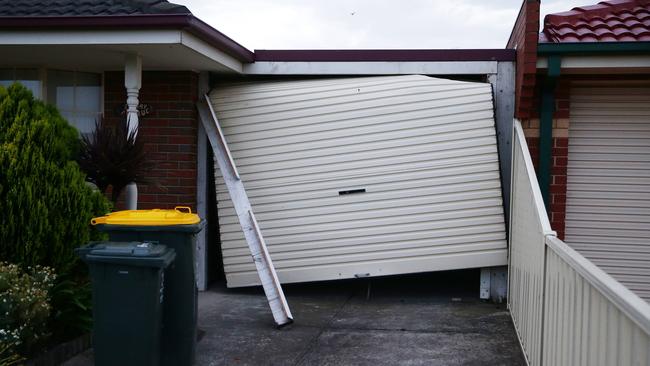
(430, 319)
(433, 319)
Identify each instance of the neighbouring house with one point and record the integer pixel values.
(583, 97)
(153, 61)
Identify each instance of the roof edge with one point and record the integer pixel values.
(219, 40)
(592, 47)
(163, 21)
(386, 55)
(601, 9)
(229, 46)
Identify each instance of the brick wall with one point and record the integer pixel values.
(524, 39)
(559, 153)
(169, 132)
(557, 189)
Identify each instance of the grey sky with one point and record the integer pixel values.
(318, 24)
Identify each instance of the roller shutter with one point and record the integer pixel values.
(362, 176)
(608, 183)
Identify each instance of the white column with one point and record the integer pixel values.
(132, 83)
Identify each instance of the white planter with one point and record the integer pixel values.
(131, 196)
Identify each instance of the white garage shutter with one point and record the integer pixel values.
(608, 187)
(362, 176)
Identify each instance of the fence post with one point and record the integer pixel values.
(544, 275)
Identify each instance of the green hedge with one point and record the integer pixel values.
(45, 203)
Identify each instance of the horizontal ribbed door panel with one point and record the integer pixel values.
(424, 150)
(608, 184)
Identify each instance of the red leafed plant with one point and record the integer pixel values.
(112, 156)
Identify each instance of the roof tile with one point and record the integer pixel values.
(57, 8)
(607, 21)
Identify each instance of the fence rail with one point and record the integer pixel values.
(566, 310)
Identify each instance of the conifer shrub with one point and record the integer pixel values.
(45, 203)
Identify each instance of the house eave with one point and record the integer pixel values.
(186, 22)
(607, 63)
(104, 49)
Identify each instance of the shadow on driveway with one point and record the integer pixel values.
(426, 319)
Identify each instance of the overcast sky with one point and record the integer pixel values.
(318, 24)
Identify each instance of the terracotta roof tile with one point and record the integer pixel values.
(607, 21)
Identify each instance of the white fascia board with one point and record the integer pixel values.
(198, 45)
(371, 68)
(99, 37)
(120, 38)
(597, 62)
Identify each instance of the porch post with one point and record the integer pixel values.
(132, 83)
(202, 262)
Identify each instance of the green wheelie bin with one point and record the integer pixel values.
(177, 229)
(128, 292)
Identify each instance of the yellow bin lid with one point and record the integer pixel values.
(180, 215)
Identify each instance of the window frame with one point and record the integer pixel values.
(42, 78)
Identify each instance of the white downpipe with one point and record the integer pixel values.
(132, 83)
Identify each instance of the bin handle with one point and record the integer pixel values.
(98, 220)
(183, 209)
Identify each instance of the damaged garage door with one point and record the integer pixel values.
(358, 177)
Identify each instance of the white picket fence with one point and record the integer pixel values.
(566, 310)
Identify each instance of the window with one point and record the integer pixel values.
(77, 95)
(28, 77)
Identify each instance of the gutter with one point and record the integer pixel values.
(578, 48)
(186, 22)
(387, 55)
(207, 33)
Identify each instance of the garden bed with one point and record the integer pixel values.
(62, 352)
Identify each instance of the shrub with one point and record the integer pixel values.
(71, 300)
(45, 202)
(24, 309)
(113, 156)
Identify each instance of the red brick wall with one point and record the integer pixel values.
(559, 154)
(169, 132)
(560, 150)
(557, 190)
(524, 38)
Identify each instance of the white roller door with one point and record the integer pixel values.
(608, 186)
(362, 176)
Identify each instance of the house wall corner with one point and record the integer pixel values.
(169, 131)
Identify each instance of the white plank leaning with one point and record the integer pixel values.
(263, 263)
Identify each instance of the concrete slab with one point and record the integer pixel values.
(430, 319)
(388, 347)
